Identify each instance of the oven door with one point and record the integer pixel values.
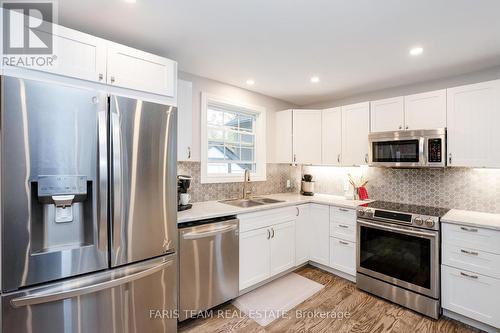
(403, 256)
(397, 151)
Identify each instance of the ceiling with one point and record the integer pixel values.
(354, 46)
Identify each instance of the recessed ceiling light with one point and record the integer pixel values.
(416, 51)
(250, 82)
(314, 79)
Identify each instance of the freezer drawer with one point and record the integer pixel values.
(209, 266)
(134, 299)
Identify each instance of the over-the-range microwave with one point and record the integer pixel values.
(408, 149)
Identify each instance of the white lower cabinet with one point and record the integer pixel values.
(282, 247)
(255, 257)
(320, 234)
(470, 294)
(343, 255)
(302, 234)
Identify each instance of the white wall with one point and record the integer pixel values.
(201, 84)
(475, 77)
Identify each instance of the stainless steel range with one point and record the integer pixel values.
(398, 254)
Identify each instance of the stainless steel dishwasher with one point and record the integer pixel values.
(209, 264)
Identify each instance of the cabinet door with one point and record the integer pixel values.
(320, 239)
(343, 255)
(387, 115)
(134, 69)
(471, 295)
(255, 257)
(282, 247)
(473, 116)
(76, 55)
(302, 231)
(426, 110)
(283, 149)
(307, 136)
(184, 120)
(331, 131)
(355, 129)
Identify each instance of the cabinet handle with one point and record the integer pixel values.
(406, 127)
(295, 157)
(298, 211)
(189, 152)
(472, 253)
(112, 79)
(400, 127)
(268, 234)
(101, 76)
(469, 229)
(343, 210)
(343, 226)
(338, 158)
(343, 243)
(449, 158)
(469, 276)
(366, 158)
(272, 229)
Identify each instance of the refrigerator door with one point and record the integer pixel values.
(54, 182)
(144, 188)
(119, 300)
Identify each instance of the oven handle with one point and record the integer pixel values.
(400, 230)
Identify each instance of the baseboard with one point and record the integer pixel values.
(470, 322)
(334, 271)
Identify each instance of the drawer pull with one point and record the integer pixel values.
(343, 210)
(469, 276)
(343, 243)
(343, 226)
(469, 229)
(472, 253)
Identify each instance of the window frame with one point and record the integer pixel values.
(260, 140)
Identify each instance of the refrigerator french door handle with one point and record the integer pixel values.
(116, 178)
(44, 297)
(102, 238)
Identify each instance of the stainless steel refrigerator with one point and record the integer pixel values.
(88, 211)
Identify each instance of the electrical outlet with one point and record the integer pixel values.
(288, 183)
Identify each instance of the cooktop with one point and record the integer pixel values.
(407, 208)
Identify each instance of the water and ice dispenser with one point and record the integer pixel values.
(64, 212)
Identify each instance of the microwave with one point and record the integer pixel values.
(408, 149)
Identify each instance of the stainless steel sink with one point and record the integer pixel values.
(245, 203)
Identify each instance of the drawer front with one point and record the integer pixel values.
(342, 215)
(266, 218)
(343, 255)
(342, 230)
(477, 261)
(471, 295)
(471, 237)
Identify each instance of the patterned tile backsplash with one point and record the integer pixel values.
(460, 188)
(277, 175)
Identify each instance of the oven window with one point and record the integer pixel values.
(406, 258)
(396, 151)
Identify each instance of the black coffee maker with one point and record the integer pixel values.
(183, 197)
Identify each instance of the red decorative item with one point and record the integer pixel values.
(363, 193)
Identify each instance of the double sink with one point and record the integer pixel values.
(245, 203)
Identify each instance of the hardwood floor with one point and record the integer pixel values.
(367, 314)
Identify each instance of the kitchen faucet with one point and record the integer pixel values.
(247, 193)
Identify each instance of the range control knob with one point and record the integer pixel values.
(361, 212)
(418, 221)
(430, 223)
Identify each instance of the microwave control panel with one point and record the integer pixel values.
(435, 150)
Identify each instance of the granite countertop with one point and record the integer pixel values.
(474, 219)
(211, 209)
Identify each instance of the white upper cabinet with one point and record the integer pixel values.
(387, 115)
(283, 137)
(75, 54)
(331, 136)
(307, 136)
(184, 120)
(134, 69)
(426, 110)
(355, 129)
(473, 114)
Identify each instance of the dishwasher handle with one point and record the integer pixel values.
(209, 233)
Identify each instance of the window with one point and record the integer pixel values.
(232, 140)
